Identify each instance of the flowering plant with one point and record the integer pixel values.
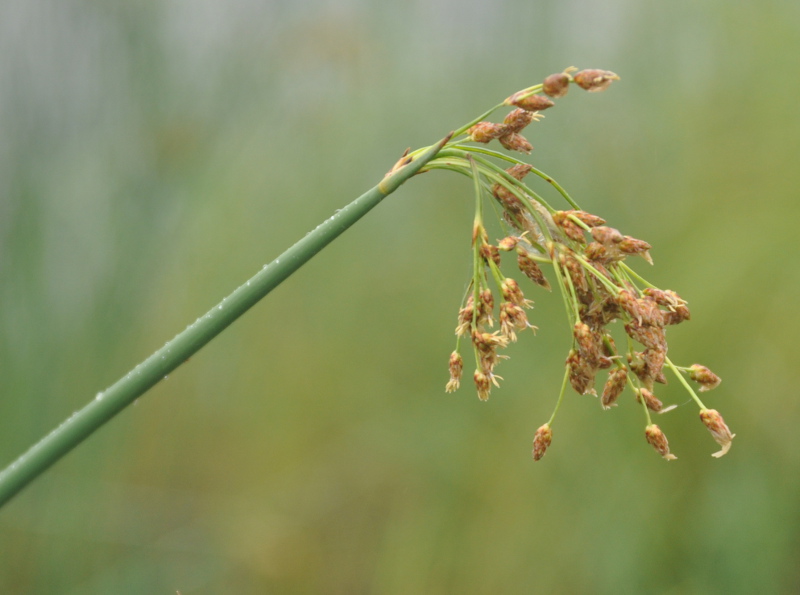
(589, 266)
(597, 285)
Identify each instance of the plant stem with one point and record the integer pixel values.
(81, 424)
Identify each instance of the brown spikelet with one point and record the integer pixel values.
(556, 85)
(594, 80)
(587, 342)
(489, 252)
(654, 364)
(571, 229)
(587, 218)
(517, 120)
(630, 245)
(719, 430)
(652, 402)
(649, 312)
(608, 236)
(516, 142)
(649, 336)
(576, 274)
(613, 387)
(677, 315)
(512, 293)
(456, 367)
(508, 243)
(532, 103)
(638, 366)
(512, 319)
(596, 252)
(531, 269)
(483, 384)
(483, 132)
(657, 439)
(519, 170)
(704, 377)
(628, 303)
(508, 199)
(541, 440)
(581, 374)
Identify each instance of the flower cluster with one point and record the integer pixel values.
(589, 266)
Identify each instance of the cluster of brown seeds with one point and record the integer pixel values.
(588, 259)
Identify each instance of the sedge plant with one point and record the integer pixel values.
(586, 260)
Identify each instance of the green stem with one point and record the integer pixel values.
(125, 391)
(560, 397)
(636, 275)
(685, 384)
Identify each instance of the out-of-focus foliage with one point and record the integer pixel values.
(153, 155)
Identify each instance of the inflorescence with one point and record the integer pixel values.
(588, 260)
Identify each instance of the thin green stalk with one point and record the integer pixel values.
(560, 396)
(125, 391)
(635, 275)
(533, 170)
(685, 384)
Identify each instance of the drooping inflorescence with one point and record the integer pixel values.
(589, 267)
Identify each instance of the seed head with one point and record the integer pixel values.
(532, 103)
(589, 219)
(483, 132)
(638, 366)
(650, 400)
(608, 236)
(575, 271)
(571, 229)
(628, 303)
(658, 440)
(508, 199)
(516, 142)
(531, 269)
(512, 293)
(649, 312)
(518, 119)
(719, 430)
(482, 317)
(489, 252)
(630, 245)
(456, 367)
(556, 85)
(483, 383)
(541, 440)
(649, 336)
(668, 298)
(601, 312)
(488, 341)
(512, 318)
(704, 377)
(519, 170)
(595, 80)
(677, 315)
(486, 306)
(581, 374)
(654, 364)
(587, 342)
(508, 243)
(613, 387)
(596, 252)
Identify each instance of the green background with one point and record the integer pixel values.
(154, 155)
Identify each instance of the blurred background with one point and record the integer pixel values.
(154, 155)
